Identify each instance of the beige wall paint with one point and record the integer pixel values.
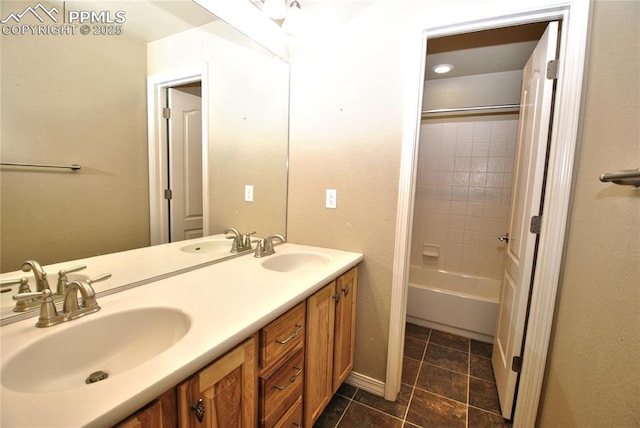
(593, 372)
(346, 133)
(348, 104)
(72, 99)
(248, 123)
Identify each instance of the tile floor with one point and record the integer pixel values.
(447, 381)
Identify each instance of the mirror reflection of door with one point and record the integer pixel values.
(184, 147)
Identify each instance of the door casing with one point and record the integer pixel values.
(563, 143)
(158, 209)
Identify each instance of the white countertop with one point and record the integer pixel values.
(225, 302)
(125, 267)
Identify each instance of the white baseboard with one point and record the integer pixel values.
(374, 386)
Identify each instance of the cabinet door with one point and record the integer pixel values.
(319, 352)
(161, 413)
(223, 394)
(345, 331)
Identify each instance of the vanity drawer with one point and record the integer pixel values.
(281, 389)
(293, 418)
(283, 336)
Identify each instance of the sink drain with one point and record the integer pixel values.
(97, 376)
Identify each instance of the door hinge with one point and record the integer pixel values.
(516, 364)
(552, 69)
(166, 112)
(168, 194)
(534, 226)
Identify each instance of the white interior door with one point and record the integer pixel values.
(185, 164)
(535, 112)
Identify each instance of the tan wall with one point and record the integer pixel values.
(72, 99)
(347, 102)
(347, 115)
(346, 131)
(248, 124)
(593, 372)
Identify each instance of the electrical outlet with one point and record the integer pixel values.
(248, 193)
(332, 198)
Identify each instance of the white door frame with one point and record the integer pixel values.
(563, 139)
(158, 210)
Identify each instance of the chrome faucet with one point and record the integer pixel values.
(88, 305)
(40, 275)
(265, 246)
(49, 315)
(240, 242)
(42, 283)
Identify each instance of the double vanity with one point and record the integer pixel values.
(265, 341)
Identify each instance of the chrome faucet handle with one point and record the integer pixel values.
(246, 244)
(99, 278)
(48, 314)
(63, 281)
(39, 274)
(24, 284)
(259, 248)
(90, 299)
(25, 303)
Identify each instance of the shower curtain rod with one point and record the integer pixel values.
(472, 109)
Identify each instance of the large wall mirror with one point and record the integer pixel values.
(75, 92)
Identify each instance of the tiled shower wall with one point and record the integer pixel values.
(463, 192)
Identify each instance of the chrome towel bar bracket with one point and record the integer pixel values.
(630, 177)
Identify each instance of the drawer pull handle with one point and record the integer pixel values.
(291, 380)
(291, 336)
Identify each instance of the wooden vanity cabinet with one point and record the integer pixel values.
(160, 413)
(223, 394)
(330, 342)
(282, 376)
(282, 370)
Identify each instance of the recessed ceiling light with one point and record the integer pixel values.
(442, 68)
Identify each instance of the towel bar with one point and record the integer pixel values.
(630, 177)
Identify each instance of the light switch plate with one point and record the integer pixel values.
(332, 198)
(248, 193)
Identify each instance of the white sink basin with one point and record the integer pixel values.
(217, 245)
(113, 344)
(295, 262)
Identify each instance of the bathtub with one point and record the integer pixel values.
(457, 303)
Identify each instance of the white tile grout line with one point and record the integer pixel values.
(344, 412)
(415, 381)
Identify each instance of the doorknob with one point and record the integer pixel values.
(504, 238)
